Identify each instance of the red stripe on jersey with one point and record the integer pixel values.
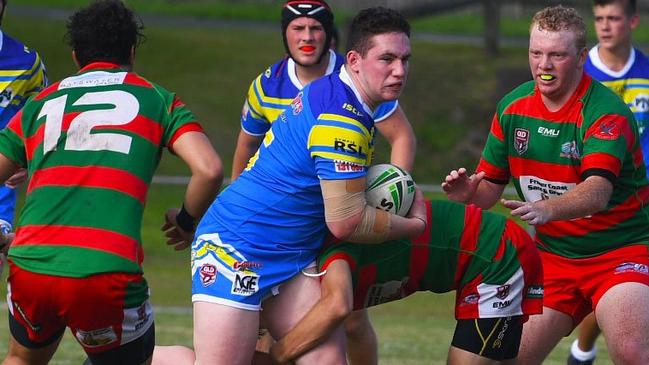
(468, 241)
(141, 126)
(176, 104)
(32, 142)
(90, 176)
(189, 127)
(492, 171)
(84, 237)
(366, 278)
(600, 221)
(553, 172)
(420, 253)
(136, 80)
(47, 91)
(16, 125)
(496, 129)
(601, 161)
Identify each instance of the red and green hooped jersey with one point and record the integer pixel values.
(465, 249)
(91, 143)
(548, 153)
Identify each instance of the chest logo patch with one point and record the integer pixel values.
(521, 140)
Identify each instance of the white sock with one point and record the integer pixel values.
(581, 355)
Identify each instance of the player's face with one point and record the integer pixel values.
(556, 63)
(383, 71)
(306, 40)
(613, 26)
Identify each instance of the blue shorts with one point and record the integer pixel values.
(229, 271)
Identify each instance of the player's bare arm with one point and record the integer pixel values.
(195, 149)
(349, 218)
(589, 197)
(330, 311)
(247, 145)
(398, 132)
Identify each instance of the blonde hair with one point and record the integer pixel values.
(558, 18)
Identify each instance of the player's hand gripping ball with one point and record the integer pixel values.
(389, 188)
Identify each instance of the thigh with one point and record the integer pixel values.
(541, 333)
(224, 334)
(493, 338)
(623, 315)
(295, 299)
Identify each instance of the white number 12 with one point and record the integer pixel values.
(79, 138)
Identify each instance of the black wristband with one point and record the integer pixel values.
(185, 220)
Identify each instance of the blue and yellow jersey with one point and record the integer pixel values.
(326, 133)
(272, 92)
(631, 83)
(21, 75)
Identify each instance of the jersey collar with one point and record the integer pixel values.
(100, 66)
(292, 73)
(593, 54)
(344, 77)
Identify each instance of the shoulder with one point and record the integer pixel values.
(522, 91)
(600, 100)
(16, 51)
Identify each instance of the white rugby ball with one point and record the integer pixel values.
(389, 188)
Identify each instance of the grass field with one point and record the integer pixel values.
(449, 101)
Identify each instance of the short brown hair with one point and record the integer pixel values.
(558, 18)
(630, 6)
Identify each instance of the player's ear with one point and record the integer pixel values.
(132, 57)
(352, 60)
(75, 59)
(634, 21)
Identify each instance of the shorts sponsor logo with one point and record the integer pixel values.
(569, 150)
(246, 265)
(632, 267)
(296, 104)
(345, 166)
(245, 284)
(208, 274)
(96, 338)
(521, 140)
(548, 132)
(535, 291)
(142, 316)
(502, 291)
(470, 299)
(498, 342)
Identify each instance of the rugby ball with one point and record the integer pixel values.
(389, 188)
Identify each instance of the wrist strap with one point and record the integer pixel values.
(185, 220)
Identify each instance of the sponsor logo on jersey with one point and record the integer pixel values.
(143, 315)
(521, 140)
(641, 103)
(246, 265)
(569, 150)
(351, 108)
(608, 130)
(267, 73)
(628, 267)
(385, 292)
(502, 291)
(346, 146)
(6, 96)
(346, 166)
(96, 338)
(548, 132)
(535, 188)
(535, 291)
(470, 299)
(245, 284)
(501, 305)
(296, 104)
(208, 274)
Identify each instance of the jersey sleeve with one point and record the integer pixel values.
(341, 147)
(494, 159)
(253, 120)
(38, 78)
(385, 110)
(180, 120)
(606, 143)
(12, 141)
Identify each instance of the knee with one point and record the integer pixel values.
(633, 351)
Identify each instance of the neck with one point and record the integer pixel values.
(615, 58)
(359, 87)
(306, 74)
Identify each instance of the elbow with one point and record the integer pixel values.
(210, 171)
(343, 229)
(339, 307)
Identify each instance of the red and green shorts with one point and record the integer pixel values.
(575, 286)
(104, 311)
